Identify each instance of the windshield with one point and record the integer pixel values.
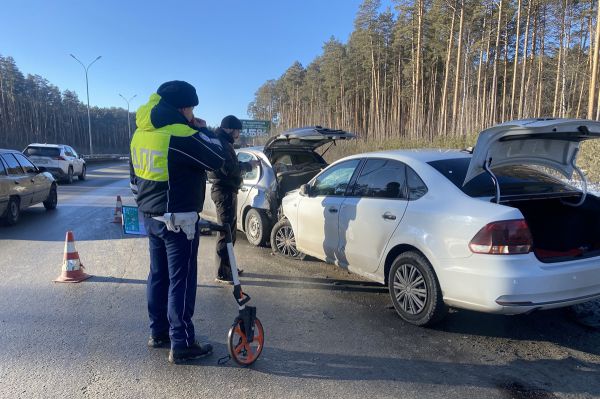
(514, 180)
(42, 152)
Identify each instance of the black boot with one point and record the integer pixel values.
(160, 341)
(195, 351)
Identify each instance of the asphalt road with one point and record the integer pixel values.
(328, 333)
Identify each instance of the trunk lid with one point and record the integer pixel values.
(552, 143)
(306, 138)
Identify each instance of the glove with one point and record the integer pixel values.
(185, 221)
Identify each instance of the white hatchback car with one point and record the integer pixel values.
(493, 231)
(61, 160)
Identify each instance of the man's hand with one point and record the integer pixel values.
(197, 122)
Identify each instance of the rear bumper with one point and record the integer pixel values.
(58, 173)
(516, 284)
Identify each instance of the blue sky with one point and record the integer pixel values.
(225, 48)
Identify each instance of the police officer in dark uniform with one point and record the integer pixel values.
(226, 182)
(170, 153)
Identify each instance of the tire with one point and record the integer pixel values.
(283, 241)
(13, 211)
(415, 290)
(70, 175)
(83, 172)
(52, 199)
(257, 227)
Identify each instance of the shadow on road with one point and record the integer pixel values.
(266, 280)
(507, 378)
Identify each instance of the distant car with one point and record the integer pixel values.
(493, 231)
(22, 185)
(286, 162)
(61, 160)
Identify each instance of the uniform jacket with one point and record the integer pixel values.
(169, 159)
(228, 177)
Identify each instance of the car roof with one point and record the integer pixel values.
(7, 150)
(46, 145)
(422, 155)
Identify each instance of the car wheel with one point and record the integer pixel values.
(52, 199)
(82, 175)
(13, 211)
(283, 241)
(257, 227)
(415, 290)
(70, 175)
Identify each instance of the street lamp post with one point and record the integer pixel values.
(127, 101)
(87, 88)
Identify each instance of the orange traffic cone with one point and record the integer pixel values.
(72, 267)
(118, 211)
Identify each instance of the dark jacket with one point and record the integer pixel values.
(169, 159)
(229, 177)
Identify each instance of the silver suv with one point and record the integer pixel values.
(286, 162)
(61, 160)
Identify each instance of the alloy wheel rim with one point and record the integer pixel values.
(410, 289)
(286, 242)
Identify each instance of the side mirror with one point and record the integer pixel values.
(305, 190)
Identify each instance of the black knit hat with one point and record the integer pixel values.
(231, 122)
(178, 93)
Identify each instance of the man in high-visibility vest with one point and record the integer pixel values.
(170, 153)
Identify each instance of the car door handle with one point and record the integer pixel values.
(388, 216)
(16, 182)
(333, 210)
(244, 189)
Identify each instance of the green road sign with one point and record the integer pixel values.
(253, 128)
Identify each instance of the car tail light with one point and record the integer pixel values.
(503, 238)
(60, 158)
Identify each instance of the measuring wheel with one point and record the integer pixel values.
(243, 352)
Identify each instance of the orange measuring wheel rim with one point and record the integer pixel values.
(243, 352)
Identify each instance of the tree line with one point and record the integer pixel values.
(34, 110)
(431, 68)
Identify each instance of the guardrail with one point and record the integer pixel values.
(97, 158)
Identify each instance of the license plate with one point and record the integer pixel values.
(41, 161)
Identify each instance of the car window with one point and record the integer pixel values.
(334, 181)
(68, 152)
(2, 169)
(25, 163)
(381, 178)
(245, 157)
(285, 159)
(514, 180)
(416, 186)
(50, 152)
(13, 166)
(73, 152)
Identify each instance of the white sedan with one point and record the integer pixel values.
(494, 231)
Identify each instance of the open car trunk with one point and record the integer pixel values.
(561, 232)
(291, 180)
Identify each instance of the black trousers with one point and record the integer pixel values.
(225, 200)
